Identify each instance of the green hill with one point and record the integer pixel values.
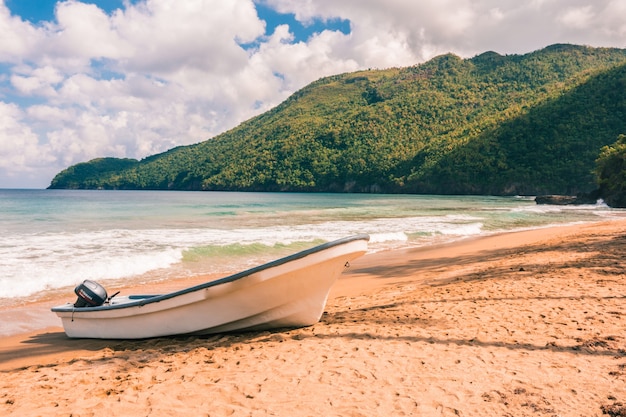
(492, 124)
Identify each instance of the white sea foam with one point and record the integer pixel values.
(548, 208)
(388, 237)
(36, 262)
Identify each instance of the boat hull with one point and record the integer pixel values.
(289, 292)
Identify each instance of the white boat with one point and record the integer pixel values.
(285, 293)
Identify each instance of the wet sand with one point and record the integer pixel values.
(520, 324)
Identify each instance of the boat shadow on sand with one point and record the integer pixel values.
(55, 348)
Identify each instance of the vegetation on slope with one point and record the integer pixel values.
(492, 124)
(611, 171)
(89, 174)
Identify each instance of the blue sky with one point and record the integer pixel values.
(36, 11)
(92, 78)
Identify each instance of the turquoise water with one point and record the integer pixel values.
(51, 240)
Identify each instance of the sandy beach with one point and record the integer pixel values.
(519, 324)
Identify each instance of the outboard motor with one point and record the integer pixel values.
(90, 294)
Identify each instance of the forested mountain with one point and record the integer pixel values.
(492, 124)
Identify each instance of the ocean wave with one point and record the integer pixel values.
(145, 237)
(47, 261)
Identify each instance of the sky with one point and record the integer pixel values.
(131, 78)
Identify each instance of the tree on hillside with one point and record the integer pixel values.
(611, 173)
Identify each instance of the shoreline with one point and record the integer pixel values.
(33, 316)
(519, 322)
(363, 276)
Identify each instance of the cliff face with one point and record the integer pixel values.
(492, 124)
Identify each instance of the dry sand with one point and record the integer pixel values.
(521, 324)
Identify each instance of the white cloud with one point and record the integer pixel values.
(21, 154)
(578, 18)
(167, 35)
(17, 37)
(613, 21)
(162, 73)
(40, 81)
(467, 27)
(84, 31)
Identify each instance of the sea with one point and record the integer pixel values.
(51, 240)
